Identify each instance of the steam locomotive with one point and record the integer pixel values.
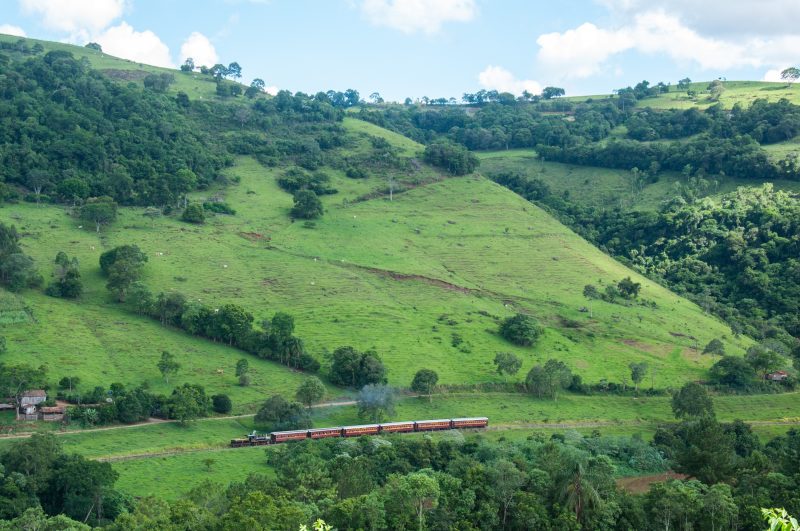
(254, 439)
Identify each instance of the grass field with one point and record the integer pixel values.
(605, 188)
(195, 85)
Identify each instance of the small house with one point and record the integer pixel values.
(777, 376)
(32, 397)
(52, 414)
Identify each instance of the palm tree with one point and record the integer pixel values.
(576, 490)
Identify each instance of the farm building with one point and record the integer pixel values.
(52, 414)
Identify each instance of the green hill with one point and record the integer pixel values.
(407, 277)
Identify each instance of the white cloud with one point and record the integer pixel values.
(199, 48)
(582, 52)
(500, 79)
(140, 46)
(8, 29)
(410, 16)
(729, 18)
(272, 90)
(79, 18)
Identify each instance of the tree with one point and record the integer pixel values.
(94, 46)
(352, 368)
(764, 359)
(376, 402)
(521, 330)
(67, 278)
(791, 74)
(256, 87)
(16, 379)
(638, 372)
(311, 391)
(424, 382)
(123, 266)
(576, 490)
(242, 367)
(187, 403)
(99, 210)
(552, 92)
(732, 371)
(507, 363)
(17, 272)
(418, 491)
(506, 482)
(628, 288)
(716, 88)
(590, 292)
(194, 213)
(715, 347)
(234, 70)
(548, 379)
(692, 400)
(167, 365)
(221, 403)
(188, 65)
(306, 205)
(280, 414)
(68, 382)
(683, 84)
(719, 507)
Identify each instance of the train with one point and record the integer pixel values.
(409, 426)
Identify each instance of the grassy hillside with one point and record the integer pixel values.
(607, 188)
(407, 277)
(195, 85)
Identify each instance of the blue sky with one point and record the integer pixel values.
(435, 47)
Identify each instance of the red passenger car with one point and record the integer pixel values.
(322, 433)
(283, 436)
(364, 429)
(473, 422)
(432, 425)
(397, 427)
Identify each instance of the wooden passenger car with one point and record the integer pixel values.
(472, 422)
(397, 427)
(431, 425)
(322, 433)
(294, 435)
(363, 429)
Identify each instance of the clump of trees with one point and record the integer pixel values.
(66, 278)
(123, 267)
(279, 414)
(194, 213)
(17, 270)
(424, 382)
(507, 363)
(521, 329)
(548, 380)
(452, 157)
(351, 368)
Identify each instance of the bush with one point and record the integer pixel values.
(219, 208)
(221, 403)
(194, 213)
(521, 330)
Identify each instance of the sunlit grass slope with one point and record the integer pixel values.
(423, 279)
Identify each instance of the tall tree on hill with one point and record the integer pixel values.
(638, 372)
(167, 365)
(100, 211)
(424, 382)
(507, 363)
(791, 74)
(311, 391)
(306, 205)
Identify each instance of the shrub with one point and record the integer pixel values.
(521, 330)
(221, 403)
(194, 213)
